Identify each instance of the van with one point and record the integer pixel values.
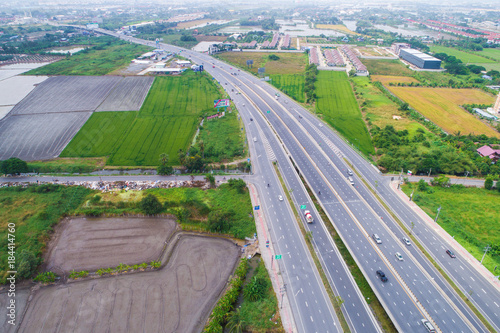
(351, 180)
(377, 239)
(428, 326)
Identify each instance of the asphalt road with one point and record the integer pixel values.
(414, 290)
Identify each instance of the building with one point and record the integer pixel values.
(485, 114)
(396, 47)
(419, 59)
(487, 151)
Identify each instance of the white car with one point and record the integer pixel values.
(398, 256)
(406, 241)
(280, 197)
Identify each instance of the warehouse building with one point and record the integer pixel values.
(419, 59)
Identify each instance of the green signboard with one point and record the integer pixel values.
(278, 256)
(303, 207)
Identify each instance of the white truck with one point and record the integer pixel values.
(308, 216)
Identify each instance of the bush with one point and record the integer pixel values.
(13, 166)
(151, 205)
(488, 183)
(256, 289)
(27, 264)
(46, 277)
(422, 185)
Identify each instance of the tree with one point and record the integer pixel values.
(13, 166)
(422, 185)
(273, 57)
(488, 183)
(151, 205)
(164, 168)
(235, 323)
(211, 180)
(27, 264)
(256, 289)
(238, 184)
(220, 221)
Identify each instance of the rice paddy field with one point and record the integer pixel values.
(491, 53)
(166, 122)
(442, 107)
(337, 104)
(466, 57)
(290, 84)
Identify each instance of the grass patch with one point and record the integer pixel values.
(68, 165)
(387, 67)
(289, 63)
(468, 214)
(337, 27)
(338, 106)
(167, 122)
(490, 66)
(290, 84)
(378, 109)
(261, 315)
(466, 57)
(491, 53)
(101, 59)
(442, 107)
(34, 211)
(223, 138)
(386, 79)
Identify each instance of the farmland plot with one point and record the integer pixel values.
(127, 95)
(290, 84)
(176, 298)
(337, 104)
(166, 122)
(38, 136)
(67, 94)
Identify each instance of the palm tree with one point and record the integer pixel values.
(235, 323)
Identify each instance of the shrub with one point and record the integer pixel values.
(46, 277)
(151, 205)
(13, 166)
(27, 264)
(488, 183)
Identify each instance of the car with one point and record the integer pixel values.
(406, 241)
(255, 139)
(377, 239)
(213, 66)
(251, 119)
(349, 172)
(450, 253)
(428, 326)
(398, 256)
(383, 278)
(280, 198)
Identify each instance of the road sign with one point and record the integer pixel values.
(249, 62)
(268, 111)
(221, 103)
(261, 70)
(248, 160)
(303, 207)
(278, 256)
(257, 207)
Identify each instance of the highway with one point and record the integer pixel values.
(414, 290)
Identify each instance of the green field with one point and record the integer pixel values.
(466, 58)
(98, 60)
(387, 67)
(492, 53)
(289, 63)
(166, 123)
(290, 84)
(468, 214)
(338, 106)
(34, 211)
(223, 138)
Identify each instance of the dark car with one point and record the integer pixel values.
(382, 276)
(450, 253)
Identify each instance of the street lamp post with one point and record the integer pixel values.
(439, 209)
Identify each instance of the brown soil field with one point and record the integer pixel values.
(176, 298)
(386, 79)
(442, 106)
(93, 243)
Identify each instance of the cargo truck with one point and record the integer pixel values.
(308, 216)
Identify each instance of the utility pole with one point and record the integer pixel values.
(486, 249)
(429, 172)
(439, 209)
